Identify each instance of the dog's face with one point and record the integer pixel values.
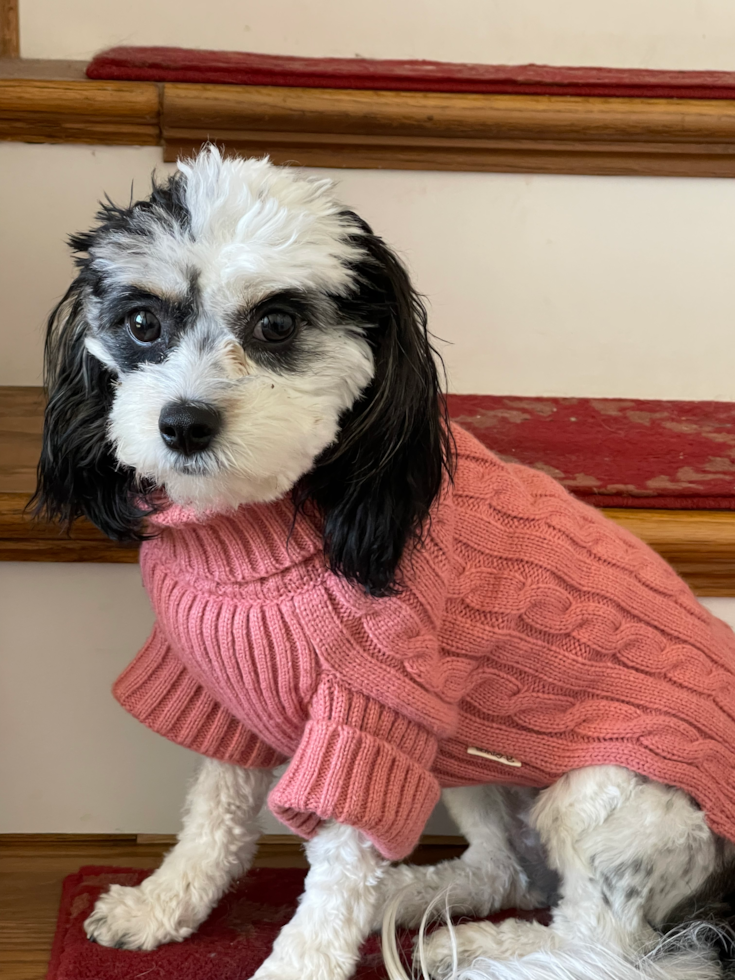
(216, 308)
(236, 335)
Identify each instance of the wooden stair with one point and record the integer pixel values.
(699, 544)
(22, 538)
(54, 102)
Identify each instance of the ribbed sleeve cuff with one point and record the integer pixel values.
(340, 773)
(158, 690)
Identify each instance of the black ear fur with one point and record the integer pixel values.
(375, 487)
(77, 472)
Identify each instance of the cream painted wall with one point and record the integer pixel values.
(624, 33)
(540, 285)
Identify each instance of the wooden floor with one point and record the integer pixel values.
(32, 869)
(31, 872)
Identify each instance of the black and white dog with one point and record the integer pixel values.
(237, 270)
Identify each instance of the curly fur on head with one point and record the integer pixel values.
(343, 408)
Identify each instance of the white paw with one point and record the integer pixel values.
(140, 918)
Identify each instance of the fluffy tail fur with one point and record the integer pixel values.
(700, 949)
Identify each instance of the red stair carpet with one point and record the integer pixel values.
(231, 945)
(615, 452)
(159, 64)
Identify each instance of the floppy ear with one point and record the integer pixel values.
(77, 472)
(375, 487)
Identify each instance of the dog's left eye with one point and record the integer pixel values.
(143, 325)
(275, 327)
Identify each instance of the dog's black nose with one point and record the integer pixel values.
(188, 428)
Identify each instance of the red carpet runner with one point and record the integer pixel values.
(615, 452)
(229, 946)
(160, 64)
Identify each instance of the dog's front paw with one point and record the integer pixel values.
(140, 918)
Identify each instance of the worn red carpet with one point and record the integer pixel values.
(615, 452)
(231, 945)
(161, 64)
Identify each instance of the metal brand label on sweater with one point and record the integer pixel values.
(504, 760)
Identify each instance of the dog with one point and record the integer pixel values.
(238, 344)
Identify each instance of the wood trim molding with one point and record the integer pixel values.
(79, 111)
(9, 29)
(286, 841)
(274, 850)
(54, 102)
(700, 545)
(23, 539)
(450, 131)
(273, 840)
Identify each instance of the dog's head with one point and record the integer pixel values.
(237, 336)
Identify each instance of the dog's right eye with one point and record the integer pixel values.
(143, 325)
(275, 327)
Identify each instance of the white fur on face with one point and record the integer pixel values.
(253, 231)
(274, 424)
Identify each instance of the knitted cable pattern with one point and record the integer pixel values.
(529, 627)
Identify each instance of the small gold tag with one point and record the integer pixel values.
(504, 760)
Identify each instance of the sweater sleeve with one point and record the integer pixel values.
(363, 764)
(158, 690)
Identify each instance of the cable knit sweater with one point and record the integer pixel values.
(532, 637)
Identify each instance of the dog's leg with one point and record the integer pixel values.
(216, 844)
(322, 941)
(492, 874)
(627, 850)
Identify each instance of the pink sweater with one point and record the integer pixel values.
(530, 628)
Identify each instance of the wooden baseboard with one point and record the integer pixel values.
(289, 840)
(285, 849)
(285, 840)
(24, 841)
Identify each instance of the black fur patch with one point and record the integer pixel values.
(78, 475)
(128, 353)
(166, 205)
(714, 904)
(375, 487)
